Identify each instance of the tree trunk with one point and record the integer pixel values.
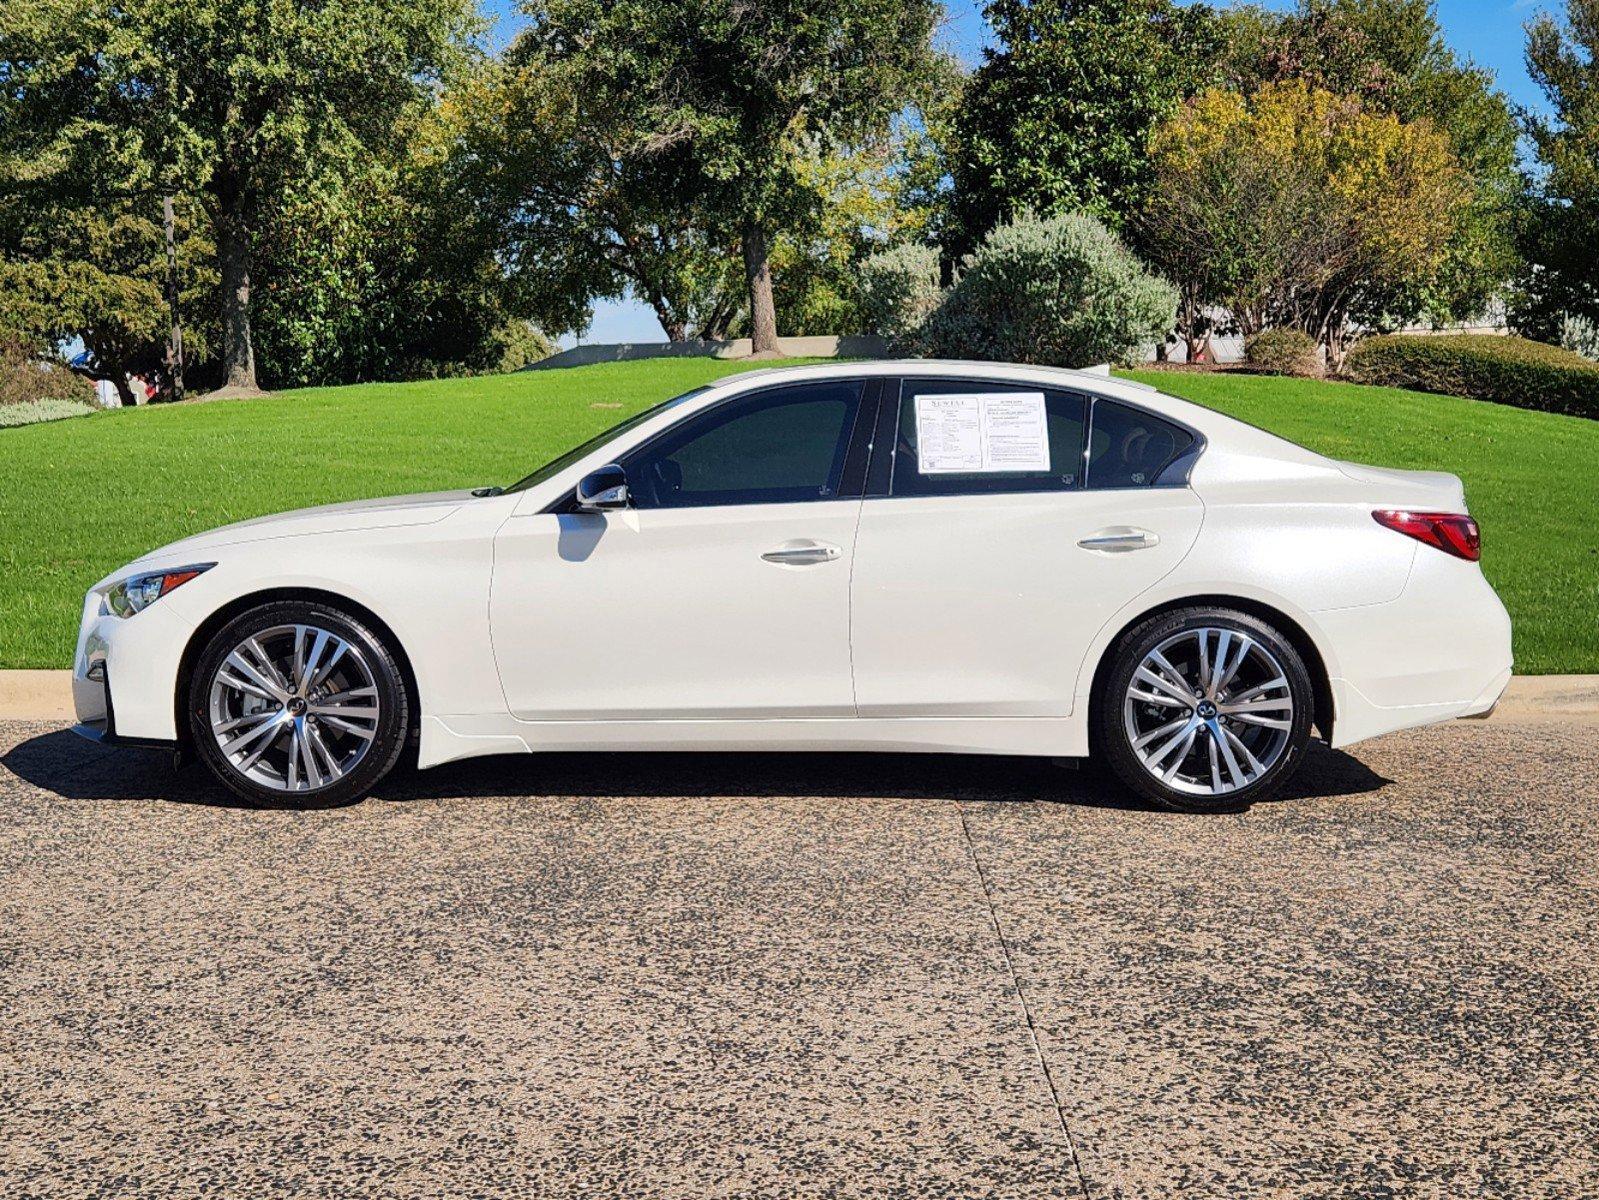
(675, 328)
(758, 273)
(233, 255)
(124, 392)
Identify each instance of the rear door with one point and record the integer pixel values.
(1004, 524)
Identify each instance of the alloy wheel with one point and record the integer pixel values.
(1209, 711)
(294, 708)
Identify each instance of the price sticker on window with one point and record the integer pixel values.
(981, 433)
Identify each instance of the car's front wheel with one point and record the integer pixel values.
(298, 705)
(1204, 710)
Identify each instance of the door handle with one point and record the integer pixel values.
(802, 554)
(1119, 539)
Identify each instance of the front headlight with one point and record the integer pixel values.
(138, 592)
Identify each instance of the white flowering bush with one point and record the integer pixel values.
(899, 292)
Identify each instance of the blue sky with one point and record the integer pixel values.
(1487, 31)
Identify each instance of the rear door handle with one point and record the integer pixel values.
(1119, 539)
(801, 554)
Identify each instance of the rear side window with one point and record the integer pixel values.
(1129, 448)
(782, 446)
(969, 437)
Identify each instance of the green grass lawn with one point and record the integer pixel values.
(81, 497)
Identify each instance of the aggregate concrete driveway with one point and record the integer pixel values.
(805, 976)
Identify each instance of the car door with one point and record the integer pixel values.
(722, 592)
(999, 533)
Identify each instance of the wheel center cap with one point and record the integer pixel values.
(1206, 709)
(296, 706)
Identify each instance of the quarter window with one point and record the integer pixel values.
(1129, 447)
(780, 446)
(972, 437)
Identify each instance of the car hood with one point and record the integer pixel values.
(385, 512)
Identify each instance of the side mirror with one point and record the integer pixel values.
(603, 490)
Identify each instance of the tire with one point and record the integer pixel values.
(1232, 738)
(297, 704)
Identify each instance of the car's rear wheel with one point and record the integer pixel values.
(298, 705)
(1204, 710)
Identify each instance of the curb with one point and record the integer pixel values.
(47, 696)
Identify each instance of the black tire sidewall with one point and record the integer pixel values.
(393, 724)
(1110, 735)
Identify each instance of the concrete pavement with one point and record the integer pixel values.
(701, 976)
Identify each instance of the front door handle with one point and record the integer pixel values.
(1119, 539)
(801, 554)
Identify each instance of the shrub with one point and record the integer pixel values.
(31, 412)
(899, 291)
(25, 379)
(1063, 291)
(1283, 352)
(1505, 370)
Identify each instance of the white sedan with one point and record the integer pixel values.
(913, 556)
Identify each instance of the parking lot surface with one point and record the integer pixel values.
(782, 976)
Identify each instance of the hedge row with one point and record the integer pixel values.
(1506, 370)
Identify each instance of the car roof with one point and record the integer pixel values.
(1090, 377)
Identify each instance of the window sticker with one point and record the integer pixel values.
(981, 433)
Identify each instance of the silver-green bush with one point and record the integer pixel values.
(1063, 291)
(1580, 335)
(899, 292)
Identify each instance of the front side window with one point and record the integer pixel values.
(970, 437)
(780, 446)
(556, 465)
(1130, 448)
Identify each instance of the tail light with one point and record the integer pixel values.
(1453, 533)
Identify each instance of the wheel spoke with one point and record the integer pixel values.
(1145, 675)
(1166, 701)
(1159, 756)
(313, 768)
(1211, 738)
(364, 733)
(228, 726)
(1280, 704)
(1154, 734)
(1231, 669)
(1204, 661)
(1173, 675)
(1268, 722)
(1188, 744)
(1235, 774)
(264, 685)
(1259, 689)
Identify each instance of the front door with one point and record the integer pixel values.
(995, 548)
(722, 593)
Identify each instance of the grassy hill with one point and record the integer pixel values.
(81, 497)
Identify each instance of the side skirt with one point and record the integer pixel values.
(445, 739)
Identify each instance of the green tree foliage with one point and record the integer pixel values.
(1063, 290)
(1562, 227)
(1392, 57)
(723, 98)
(548, 171)
(224, 101)
(1058, 117)
(1298, 207)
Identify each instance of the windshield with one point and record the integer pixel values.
(556, 466)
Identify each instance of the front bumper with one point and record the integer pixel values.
(125, 674)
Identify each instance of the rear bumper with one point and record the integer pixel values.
(1440, 651)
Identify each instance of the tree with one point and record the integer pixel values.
(552, 176)
(717, 99)
(1562, 226)
(1298, 207)
(1392, 57)
(1058, 116)
(227, 99)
